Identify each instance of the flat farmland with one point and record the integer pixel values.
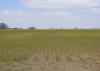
(49, 50)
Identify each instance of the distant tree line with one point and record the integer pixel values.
(3, 26)
(31, 28)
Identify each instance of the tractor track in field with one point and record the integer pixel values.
(53, 59)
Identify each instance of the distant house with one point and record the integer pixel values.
(3, 26)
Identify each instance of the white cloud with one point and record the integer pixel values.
(94, 11)
(24, 19)
(58, 3)
(54, 13)
(63, 7)
(11, 13)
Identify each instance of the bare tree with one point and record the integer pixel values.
(31, 28)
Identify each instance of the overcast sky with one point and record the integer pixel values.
(51, 13)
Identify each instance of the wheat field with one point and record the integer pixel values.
(49, 50)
